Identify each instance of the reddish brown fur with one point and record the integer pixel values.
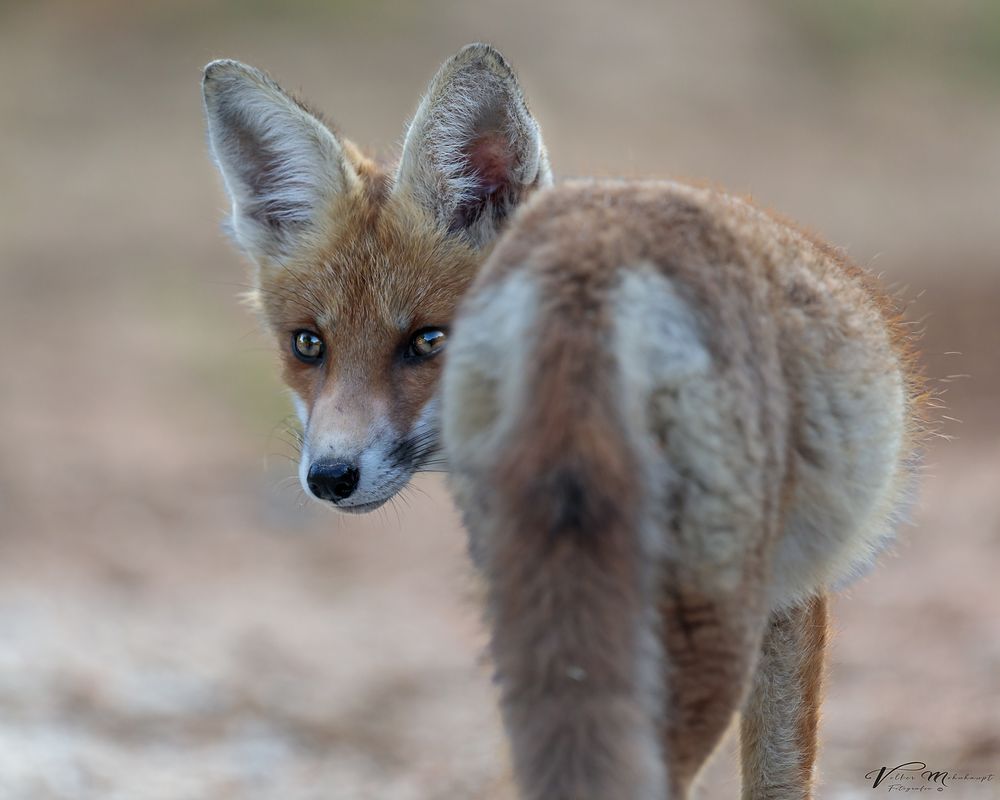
(383, 261)
(813, 635)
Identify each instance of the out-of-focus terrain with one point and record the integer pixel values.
(175, 624)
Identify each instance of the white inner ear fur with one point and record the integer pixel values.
(473, 147)
(282, 166)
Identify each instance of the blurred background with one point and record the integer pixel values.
(175, 622)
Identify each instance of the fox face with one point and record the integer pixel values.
(358, 268)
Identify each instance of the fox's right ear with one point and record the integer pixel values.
(282, 166)
(473, 151)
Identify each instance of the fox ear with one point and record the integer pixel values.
(281, 165)
(473, 151)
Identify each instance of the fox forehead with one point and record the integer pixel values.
(380, 269)
(380, 265)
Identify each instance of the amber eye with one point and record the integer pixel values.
(426, 342)
(307, 346)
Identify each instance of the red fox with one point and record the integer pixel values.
(672, 421)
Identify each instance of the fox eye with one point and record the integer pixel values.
(426, 342)
(307, 346)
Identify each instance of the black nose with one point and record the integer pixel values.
(332, 480)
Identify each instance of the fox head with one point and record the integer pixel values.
(358, 268)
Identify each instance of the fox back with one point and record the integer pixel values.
(358, 267)
(673, 423)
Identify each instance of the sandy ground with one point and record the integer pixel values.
(176, 624)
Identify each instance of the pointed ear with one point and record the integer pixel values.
(281, 165)
(473, 151)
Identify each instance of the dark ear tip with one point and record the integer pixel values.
(481, 53)
(214, 69)
(479, 48)
(227, 68)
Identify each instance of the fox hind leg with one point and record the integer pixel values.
(778, 730)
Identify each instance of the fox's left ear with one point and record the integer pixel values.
(473, 151)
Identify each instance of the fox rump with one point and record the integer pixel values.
(696, 420)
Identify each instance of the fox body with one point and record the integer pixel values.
(673, 421)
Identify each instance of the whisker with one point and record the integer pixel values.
(284, 457)
(288, 482)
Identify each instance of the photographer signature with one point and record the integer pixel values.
(916, 776)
